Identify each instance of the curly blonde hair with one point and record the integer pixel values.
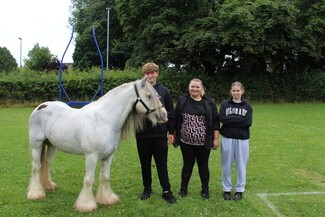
(150, 67)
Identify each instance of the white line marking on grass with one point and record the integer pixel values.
(273, 207)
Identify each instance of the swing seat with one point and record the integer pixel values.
(77, 103)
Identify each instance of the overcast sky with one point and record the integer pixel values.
(36, 21)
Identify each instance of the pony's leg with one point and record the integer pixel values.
(105, 195)
(36, 189)
(86, 201)
(46, 172)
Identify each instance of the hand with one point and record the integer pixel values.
(215, 144)
(170, 139)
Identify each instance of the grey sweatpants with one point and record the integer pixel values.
(234, 150)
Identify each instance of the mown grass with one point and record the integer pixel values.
(287, 154)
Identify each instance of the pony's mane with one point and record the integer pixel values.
(116, 89)
(136, 121)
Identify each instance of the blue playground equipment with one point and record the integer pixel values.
(100, 90)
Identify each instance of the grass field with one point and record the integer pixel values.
(285, 177)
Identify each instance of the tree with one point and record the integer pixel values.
(311, 38)
(257, 35)
(40, 58)
(154, 29)
(202, 46)
(277, 20)
(87, 14)
(7, 61)
(228, 36)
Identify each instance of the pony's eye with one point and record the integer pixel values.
(149, 96)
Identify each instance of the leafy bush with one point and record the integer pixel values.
(7, 61)
(26, 86)
(31, 86)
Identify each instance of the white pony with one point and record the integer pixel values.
(95, 131)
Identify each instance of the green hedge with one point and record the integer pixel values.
(258, 87)
(34, 87)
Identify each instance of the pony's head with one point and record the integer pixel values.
(147, 103)
(146, 106)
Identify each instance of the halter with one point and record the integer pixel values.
(141, 101)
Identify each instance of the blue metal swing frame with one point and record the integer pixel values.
(100, 90)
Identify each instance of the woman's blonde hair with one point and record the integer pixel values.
(237, 83)
(199, 80)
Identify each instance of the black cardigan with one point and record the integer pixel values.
(212, 123)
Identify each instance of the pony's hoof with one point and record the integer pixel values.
(109, 201)
(51, 186)
(36, 195)
(85, 208)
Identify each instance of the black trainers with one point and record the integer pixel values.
(205, 193)
(226, 195)
(182, 193)
(238, 196)
(146, 194)
(168, 196)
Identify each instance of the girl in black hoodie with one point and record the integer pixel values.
(236, 117)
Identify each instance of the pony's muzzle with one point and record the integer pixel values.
(162, 116)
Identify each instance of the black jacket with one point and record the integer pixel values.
(212, 119)
(160, 130)
(236, 119)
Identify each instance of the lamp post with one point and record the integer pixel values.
(107, 48)
(21, 43)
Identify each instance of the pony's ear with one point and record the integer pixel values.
(143, 81)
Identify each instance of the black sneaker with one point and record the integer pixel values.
(182, 193)
(205, 194)
(226, 195)
(145, 194)
(238, 196)
(168, 196)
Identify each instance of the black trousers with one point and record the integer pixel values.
(200, 154)
(158, 149)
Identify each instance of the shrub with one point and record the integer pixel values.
(26, 86)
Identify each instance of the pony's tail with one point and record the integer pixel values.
(44, 165)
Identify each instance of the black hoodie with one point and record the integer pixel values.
(160, 130)
(236, 119)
